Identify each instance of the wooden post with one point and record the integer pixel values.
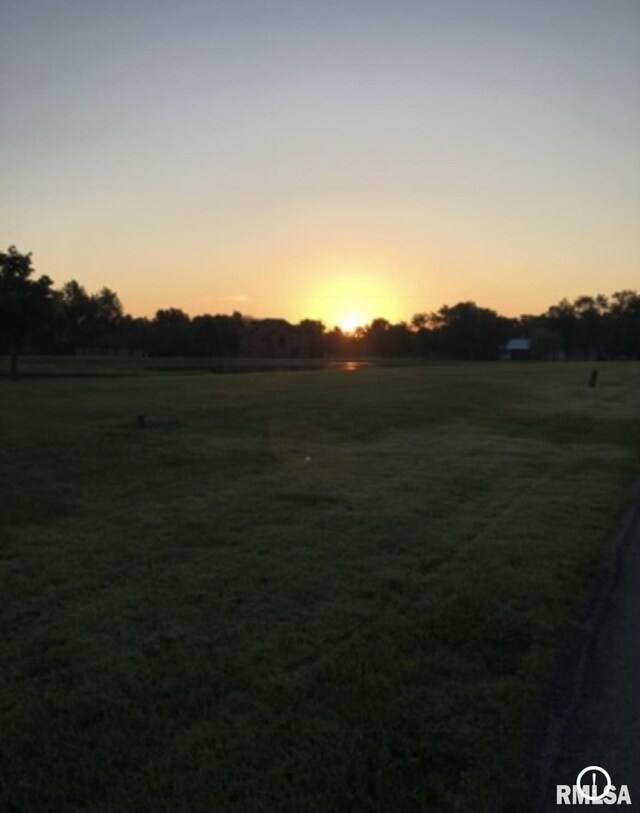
(141, 422)
(593, 378)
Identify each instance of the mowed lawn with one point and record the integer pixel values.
(310, 591)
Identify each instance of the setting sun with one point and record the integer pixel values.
(352, 299)
(350, 321)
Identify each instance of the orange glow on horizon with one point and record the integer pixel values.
(350, 321)
(352, 298)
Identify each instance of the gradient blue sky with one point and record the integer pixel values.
(324, 159)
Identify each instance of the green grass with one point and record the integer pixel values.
(314, 591)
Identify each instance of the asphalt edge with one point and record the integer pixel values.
(574, 651)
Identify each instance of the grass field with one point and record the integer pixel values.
(310, 591)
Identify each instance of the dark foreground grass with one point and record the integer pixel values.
(294, 592)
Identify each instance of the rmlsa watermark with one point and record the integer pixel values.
(600, 791)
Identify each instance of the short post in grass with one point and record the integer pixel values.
(593, 378)
(141, 421)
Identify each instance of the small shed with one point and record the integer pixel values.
(516, 350)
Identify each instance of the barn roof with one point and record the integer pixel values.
(518, 344)
(269, 324)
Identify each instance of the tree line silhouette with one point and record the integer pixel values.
(37, 317)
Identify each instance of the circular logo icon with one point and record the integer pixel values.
(583, 793)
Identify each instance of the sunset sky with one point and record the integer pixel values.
(330, 159)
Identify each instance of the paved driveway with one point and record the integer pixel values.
(597, 719)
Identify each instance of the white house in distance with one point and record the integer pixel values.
(516, 350)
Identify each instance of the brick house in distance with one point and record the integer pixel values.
(275, 339)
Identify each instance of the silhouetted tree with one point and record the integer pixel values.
(622, 325)
(79, 314)
(468, 332)
(231, 330)
(108, 311)
(589, 312)
(546, 343)
(313, 334)
(88, 318)
(204, 339)
(336, 342)
(563, 319)
(400, 341)
(420, 321)
(423, 341)
(169, 333)
(134, 333)
(216, 335)
(376, 339)
(25, 303)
